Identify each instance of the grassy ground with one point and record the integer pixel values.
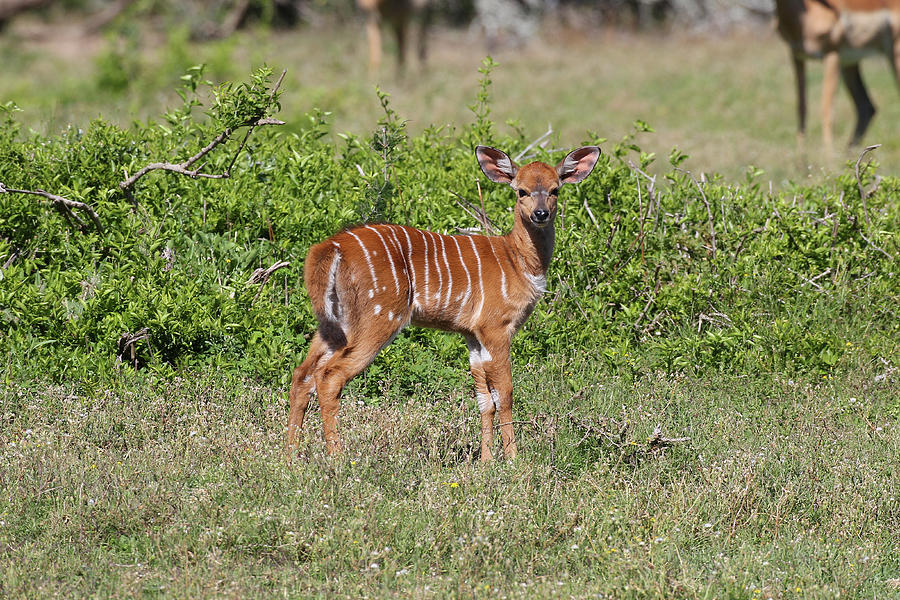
(786, 489)
(726, 100)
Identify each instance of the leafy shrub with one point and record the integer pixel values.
(675, 273)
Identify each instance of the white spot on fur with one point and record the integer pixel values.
(377, 308)
(371, 293)
(484, 402)
(496, 398)
(474, 356)
(538, 282)
(390, 315)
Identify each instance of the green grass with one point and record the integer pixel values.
(726, 100)
(177, 488)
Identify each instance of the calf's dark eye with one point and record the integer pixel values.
(554, 191)
(522, 193)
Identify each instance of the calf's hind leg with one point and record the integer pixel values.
(335, 372)
(303, 385)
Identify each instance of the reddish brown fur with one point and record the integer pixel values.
(840, 32)
(368, 282)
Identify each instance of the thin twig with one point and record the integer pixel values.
(874, 246)
(652, 299)
(521, 154)
(481, 199)
(862, 192)
(812, 281)
(259, 121)
(64, 205)
(712, 230)
(591, 215)
(487, 225)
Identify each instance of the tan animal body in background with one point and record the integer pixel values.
(841, 32)
(399, 15)
(370, 281)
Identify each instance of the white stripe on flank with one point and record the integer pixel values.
(332, 274)
(462, 305)
(480, 280)
(412, 268)
(390, 258)
(396, 242)
(437, 267)
(449, 273)
(368, 259)
(425, 239)
(502, 272)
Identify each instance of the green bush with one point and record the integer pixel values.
(675, 274)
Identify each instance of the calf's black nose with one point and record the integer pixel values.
(539, 216)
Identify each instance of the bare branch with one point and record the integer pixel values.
(184, 168)
(657, 441)
(478, 214)
(261, 276)
(862, 193)
(591, 215)
(712, 230)
(63, 205)
(536, 142)
(874, 246)
(126, 345)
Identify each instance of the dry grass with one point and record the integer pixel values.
(178, 488)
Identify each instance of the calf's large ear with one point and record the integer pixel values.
(578, 164)
(496, 164)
